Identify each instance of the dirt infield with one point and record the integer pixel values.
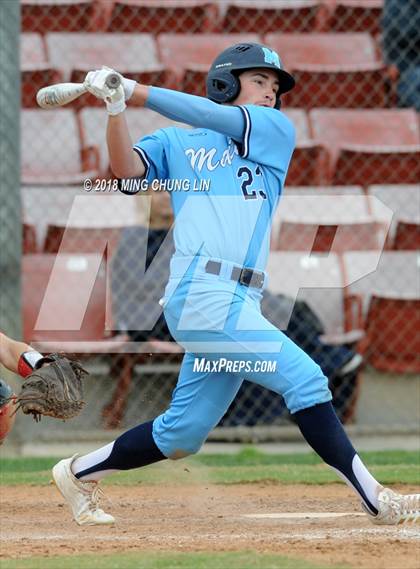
(209, 518)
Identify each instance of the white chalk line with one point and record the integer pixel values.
(399, 532)
(303, 515)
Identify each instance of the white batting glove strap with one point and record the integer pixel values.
(115, 103)
(128, 85)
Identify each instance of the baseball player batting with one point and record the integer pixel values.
(239, 148)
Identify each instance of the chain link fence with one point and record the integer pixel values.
(10, 211)
(345, 239)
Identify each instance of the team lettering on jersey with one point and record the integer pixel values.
(203, 157)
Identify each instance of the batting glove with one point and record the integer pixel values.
(95, 83)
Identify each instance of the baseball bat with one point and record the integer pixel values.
(61, 94)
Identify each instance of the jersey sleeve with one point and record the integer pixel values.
(152, 152)
(269, 137)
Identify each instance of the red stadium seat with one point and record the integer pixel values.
(300, 120)
(318, 280)
(133, 55)
(404, 202)
(308, 165)
(190, 56)
(93, 224)
(391, 273)
(407, 236)
(59, 15)
(64, 239)
(361, 206)
(310, 160)
(322, 238)
(369, 146)
(35, 70)
(321, 222)
(356, 16)
(87, 220)
(270, 16)
(52, 150)
(323, 48)
(180, 50)
(387, 350)
(389, 288)
(361, 86)
(360, 165)
(44, 205)
(68, 304)
(331, 70)
(29, 244)
(159, 16)
(32, 49)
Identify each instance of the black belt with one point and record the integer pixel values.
(246, 277)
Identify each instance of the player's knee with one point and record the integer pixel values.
(310, 391)
(183, 450)
(183, 438)
(176, 448)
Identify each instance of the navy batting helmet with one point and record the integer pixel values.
(223, 84)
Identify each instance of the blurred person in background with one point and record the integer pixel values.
(401, 48)
(136, 285)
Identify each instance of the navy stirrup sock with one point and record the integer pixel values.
(325, 434)
(133, 449)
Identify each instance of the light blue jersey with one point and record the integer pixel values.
(223, 192)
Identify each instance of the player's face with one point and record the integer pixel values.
(258, 87)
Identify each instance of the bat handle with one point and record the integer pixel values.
(113, 81)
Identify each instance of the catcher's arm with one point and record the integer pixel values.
(18, 357)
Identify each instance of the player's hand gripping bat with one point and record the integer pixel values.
(61, 94)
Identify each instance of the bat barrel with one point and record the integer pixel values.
(61, 94)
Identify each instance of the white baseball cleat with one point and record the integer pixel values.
(395, 508)
(82, 496)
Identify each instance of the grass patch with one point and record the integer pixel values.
(247, 466)
(232, 560)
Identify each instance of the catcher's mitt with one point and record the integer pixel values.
(54, 388)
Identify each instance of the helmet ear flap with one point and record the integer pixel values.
(222, 86)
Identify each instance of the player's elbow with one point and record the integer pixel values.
(127, 167)
(125, 171)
